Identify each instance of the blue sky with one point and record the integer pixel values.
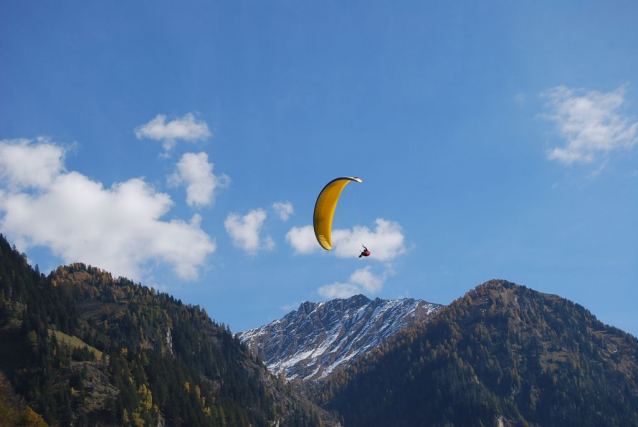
(183, 145)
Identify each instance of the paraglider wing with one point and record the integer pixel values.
(325, 209)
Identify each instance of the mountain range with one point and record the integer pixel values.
(81, 347)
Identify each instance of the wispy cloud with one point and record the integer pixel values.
(283, 209)
(186, 128)
(290, 307)
(591, 122)
(245, 231)
(196, 172)
(386, 241)
(118, 228)
(520, 99)
(362, 280)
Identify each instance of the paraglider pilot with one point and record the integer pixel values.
(364, 252)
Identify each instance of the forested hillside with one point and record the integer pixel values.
(501, 355)
(83, 347)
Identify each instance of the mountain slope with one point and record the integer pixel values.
(13, 410)
(85, 348)
(501, 355)
(312, 342)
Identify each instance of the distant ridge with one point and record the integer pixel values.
(313, 341)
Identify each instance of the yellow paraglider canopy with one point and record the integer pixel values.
(325, 209)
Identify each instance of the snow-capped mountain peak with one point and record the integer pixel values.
(317, 338)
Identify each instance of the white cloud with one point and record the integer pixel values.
(185, 128)
(590, 122)
(338, 290)
(367, 281)
(27, 164)
(385, 242)
(118, 229)
(245, 231)
(361, 281)
(283, 209)
(303, 239)
(196, 172)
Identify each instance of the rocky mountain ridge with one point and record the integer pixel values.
(318, 338)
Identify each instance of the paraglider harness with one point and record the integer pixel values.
(365, 252)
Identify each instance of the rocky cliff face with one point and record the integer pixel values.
(318, 338)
